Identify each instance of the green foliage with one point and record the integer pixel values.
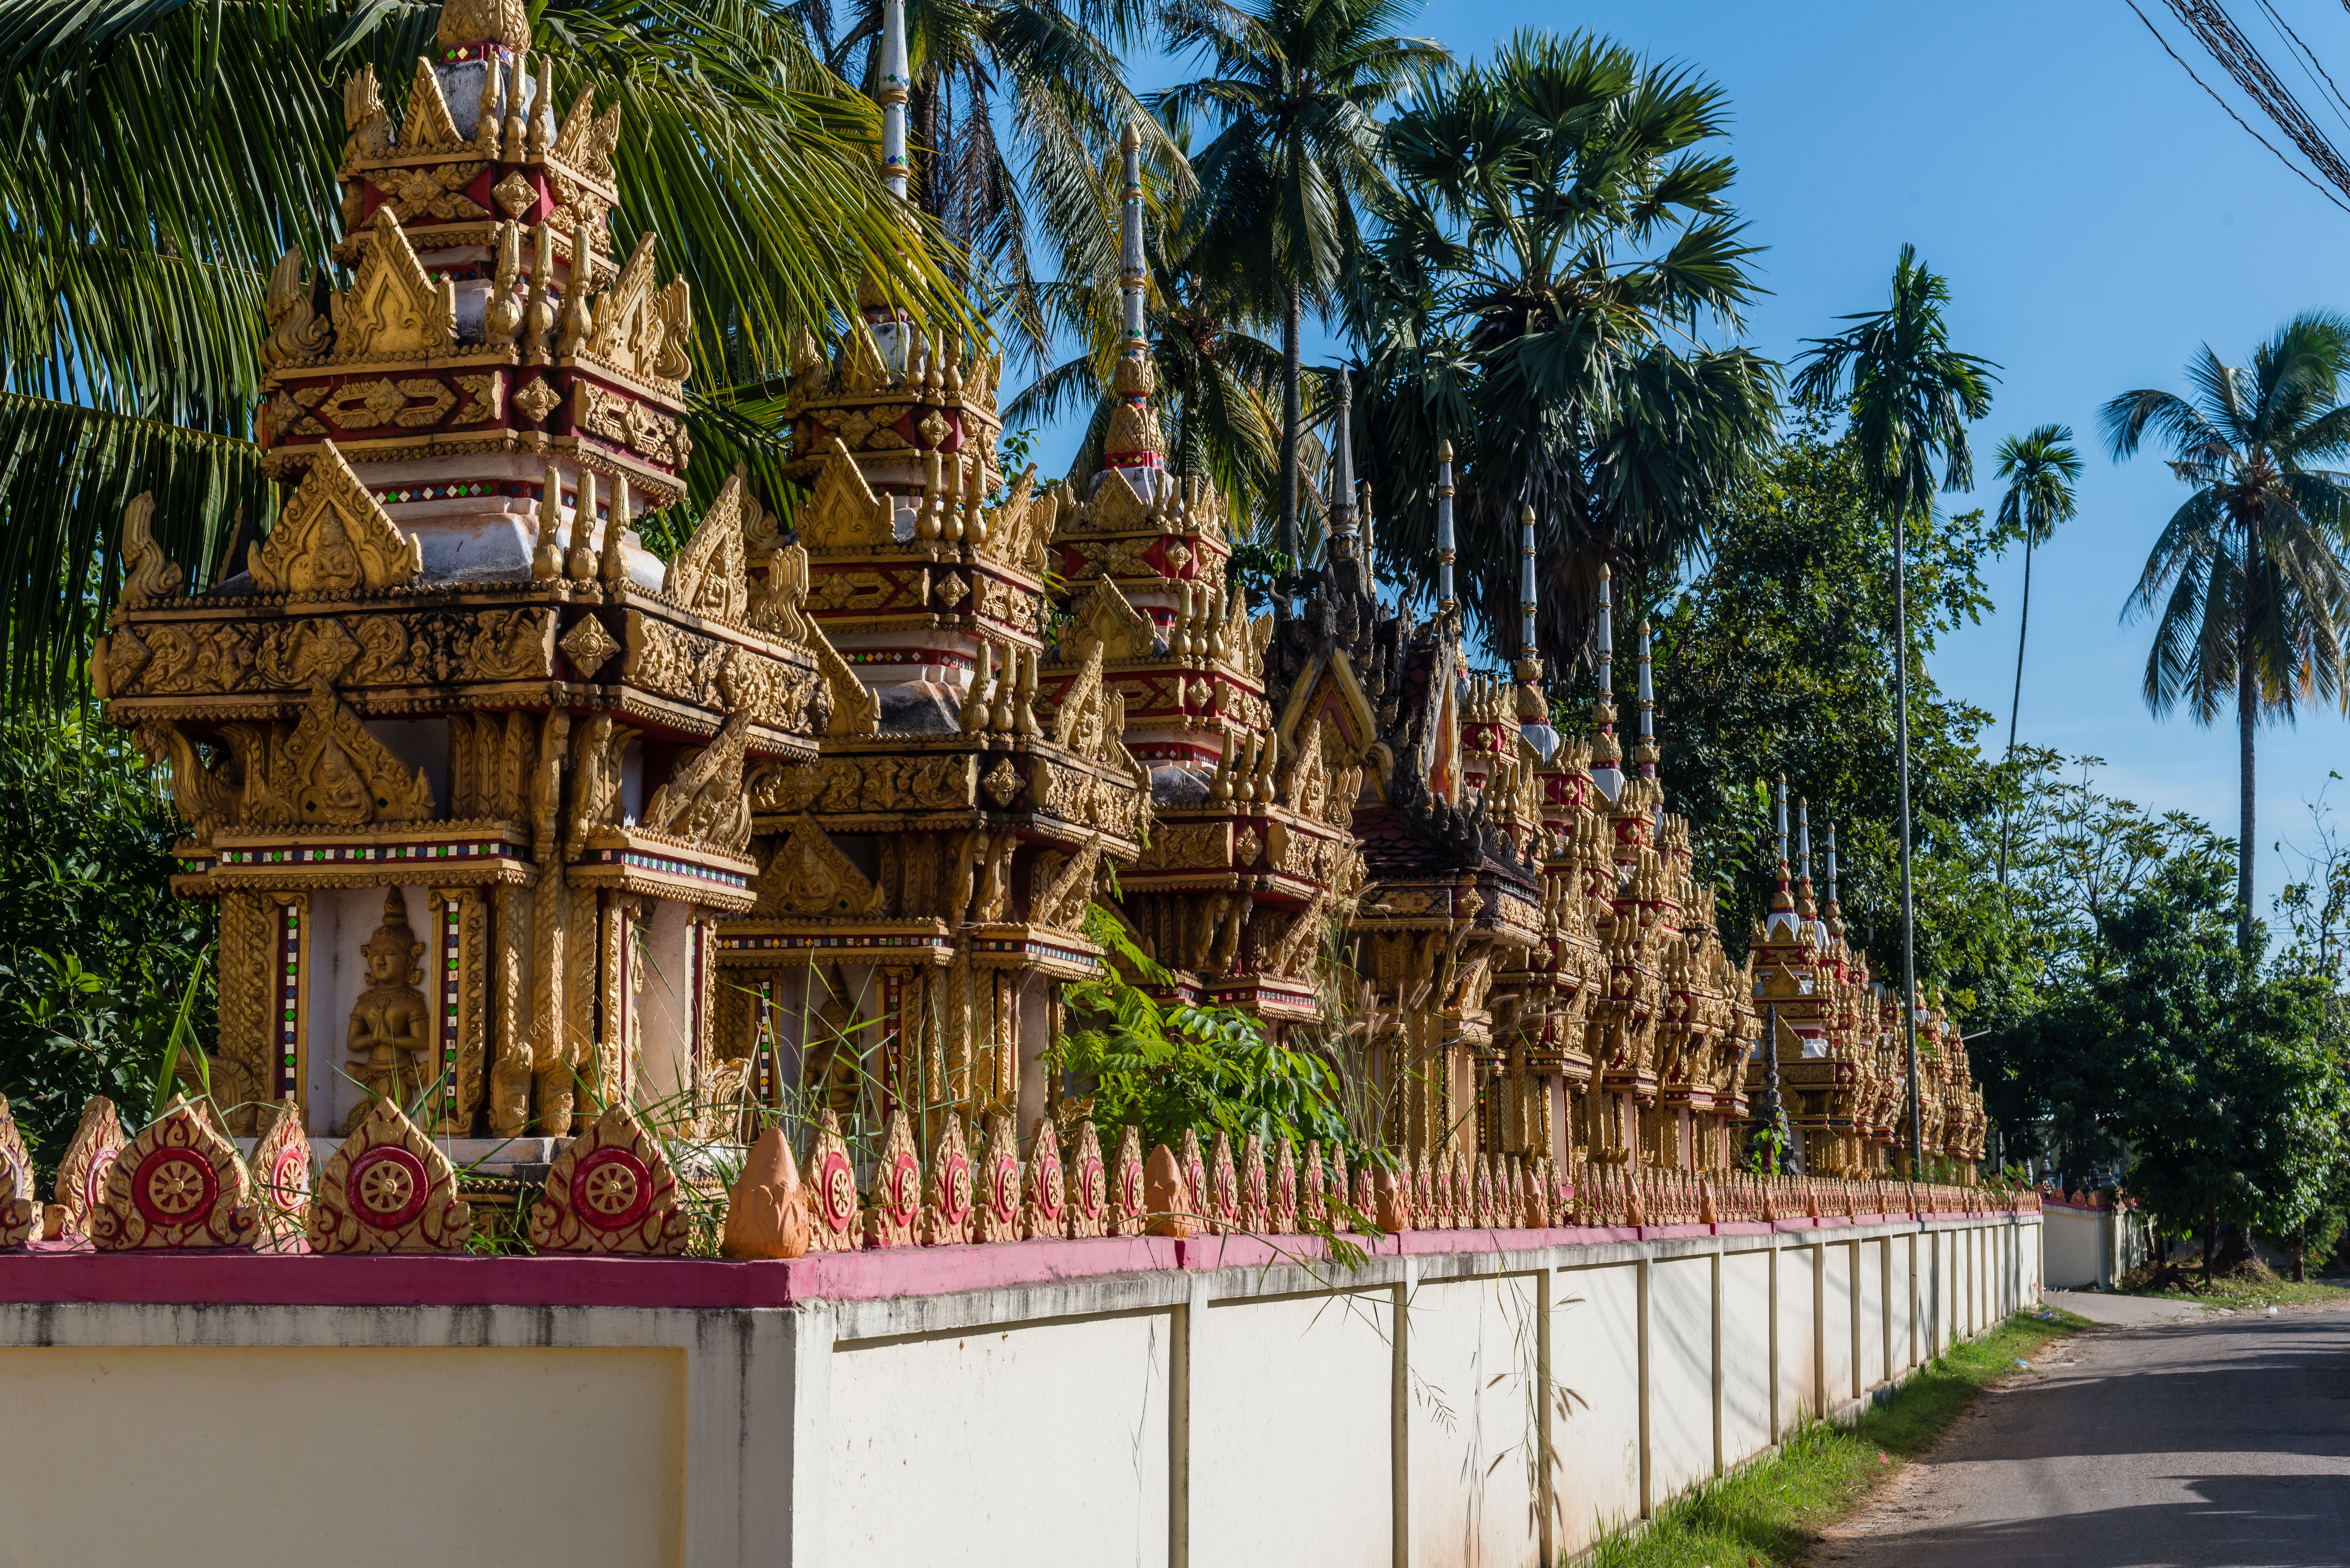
(99, 965)
(1560, 242)
(1775, 656)
(1128, 1058)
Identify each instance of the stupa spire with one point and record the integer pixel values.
(1445, 603)
(897, 81)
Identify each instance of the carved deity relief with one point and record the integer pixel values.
(334, 538)
(390, 1034)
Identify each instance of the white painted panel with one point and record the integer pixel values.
(1869, 1296)
(1835, 1322)
(1595, 1341)
(1901, 1300)
(1745, 1356)
(201, 1457)
(1291, 1400)
(1474, 1442)
(1032, 1445)
(1798, 1352)
(1680, 1374)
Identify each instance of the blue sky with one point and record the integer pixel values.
(2099, 217)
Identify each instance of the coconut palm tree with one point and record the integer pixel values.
(1909, 395)
(1294, 87)
(2041, 469)
(2246, 579)
(1560, 241)
(164, 155)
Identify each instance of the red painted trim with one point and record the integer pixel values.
(59, 1271)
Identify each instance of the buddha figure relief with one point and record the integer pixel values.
(391, 1029)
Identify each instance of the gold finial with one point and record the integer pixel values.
(465, 22)
(1444, 450)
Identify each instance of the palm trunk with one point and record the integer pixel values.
(1291, 416)
(1901, 749)
(2015, 703)
(2248, 703)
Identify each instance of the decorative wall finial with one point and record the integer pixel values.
(1644, 750)
(1133, 441)
(1342, 463)
(897, 78)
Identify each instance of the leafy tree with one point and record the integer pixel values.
(2041, 469)
(95, 955)
(1294, 86)
(1773, 658)
(1559, 240)
(2248, 573)
(1910, 395)
(1128, 1058)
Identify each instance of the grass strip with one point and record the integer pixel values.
(2236, 1293)
(1770, 1514)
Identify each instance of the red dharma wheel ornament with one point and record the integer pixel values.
(1003, 1196)
(1284, 1188)
(611, 1189)
(387, 1187)
(833, 1185)
(898, 1189)
(93, 1178)
(290, 1176)
(174, 1187)
(1129, 1186)
(1052, 1191)
(954, 1177)
(1093, 1185)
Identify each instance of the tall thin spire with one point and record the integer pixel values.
(897, 80)
(1644, 751)
(1832, 912)
(1133, 441)
(1445, 602)
(1607, 752)
(1803, 837)
(1782, 900)
(1526, 583)
(1342, 463)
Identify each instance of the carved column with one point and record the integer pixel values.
(509, 1089)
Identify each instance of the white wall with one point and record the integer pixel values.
(1218, 1416)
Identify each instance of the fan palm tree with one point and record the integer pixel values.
(2041, 469)
(2246, 579)
(1294, 86)
(166, 153)
(1559, 240)
(1909, 395)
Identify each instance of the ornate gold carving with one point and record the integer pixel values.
(333, 539)
(893, 1217)
(610, 1191)
(296, 336)
(675, 663)
(831, 1189)
(1104, 618)
(429, 127)
(626, 422)
(809, 876)
(486, 398)
(996, 1196)
(703, 801)
(394, 308)
(81, 1174)
(391, 1026)
(514, 194)
(504, 22)
(589, 646)
(281, 1177)
(437, 190)
(587, 139)
(843, 512)
(20, 1211)
(1045, 1194)
(639, 331)
(388, 1190)
(947, 1199)
(147, 573)
(178, 1184)
(364, 119)
(707, 577)
(537, 400)
(333, 773)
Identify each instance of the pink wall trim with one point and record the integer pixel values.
(51, 1272)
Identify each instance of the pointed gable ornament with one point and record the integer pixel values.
(610, 1191)
(178, 1184)
(388, 1190)
(333, 539)
(20, 1212)
(707, 577)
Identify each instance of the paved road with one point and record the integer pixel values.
(2218, 1442)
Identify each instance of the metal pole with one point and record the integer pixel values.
(1908, 920)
